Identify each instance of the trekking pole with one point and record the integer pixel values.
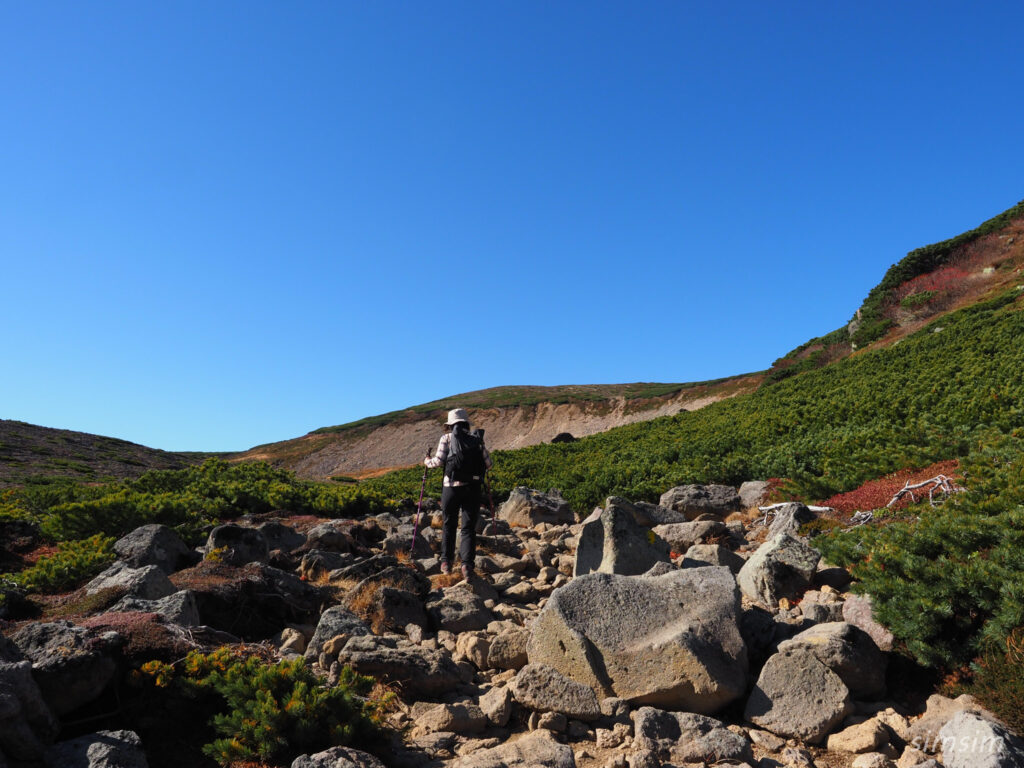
(419, 506)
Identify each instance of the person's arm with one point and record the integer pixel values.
(487, 458)
(441, 455)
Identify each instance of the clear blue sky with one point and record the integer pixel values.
(223, 224)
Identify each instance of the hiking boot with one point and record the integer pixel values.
(446, 568)
(467, 572)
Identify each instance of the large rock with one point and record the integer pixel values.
(253, 602)
(459, 609)
(26, 723)
(72, 665)
(179, 608)
(154, 545)
(971, 741)
(683, 737)
(237, 545)
(103, 749)
(537, 749)
(281, 536)
(526, 508)
(781, 567)
(148, 582)
(788, 519)
(682, 536)
(858, 610)
(939, 710)
(333, 622)
(613, 542)
(696, 500)
(703, 555)
(543, 689)
(849, 652)
(330, 537)
(508, 649)
(420, 672)
(650, 515)
(671, 641)
(338, 757)
(798, 696)
(753, 492)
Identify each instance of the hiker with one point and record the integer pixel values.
(465, 460)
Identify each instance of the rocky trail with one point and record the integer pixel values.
(688, 633)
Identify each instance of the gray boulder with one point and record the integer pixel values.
(451, 718)
(496, 704)
(702, 555)
(318, 563)
(26, 723)
(696, 500)
(788, 519)
(179, 608)
(526, 508)
(671, 641)
(71, 665)
(683, 737)
(971, 741)
(329, 537)
(103, 749)
(797, 696)
(508, 649)
(281, 536)
(682, 536)
(753, 492)
(543, 689)
(237, 545)
(148, 582)
(613, 542)
(781, 567)
(401, 540)
(154, 545)
(650, 515)
(849, 652)
(421, 672)
(537, 749)
(333, 622)
(338, 757)
(459, 609)
(858, 610)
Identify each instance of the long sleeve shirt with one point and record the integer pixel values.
(441, 456)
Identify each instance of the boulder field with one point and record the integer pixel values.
(672, 634)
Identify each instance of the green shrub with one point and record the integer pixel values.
(950, 583)
(271, 713)
(996, 679)
(186, 499)
(69, 566)
(818, 526)
(829, 430)
(916, 300)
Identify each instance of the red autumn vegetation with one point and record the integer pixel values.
(875, 494)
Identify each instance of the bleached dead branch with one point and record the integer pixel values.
(939, 483)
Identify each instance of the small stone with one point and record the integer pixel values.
(552, 721)
(872, 760)
(868, 736)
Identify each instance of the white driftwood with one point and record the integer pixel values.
(937, 483)
(771, 509)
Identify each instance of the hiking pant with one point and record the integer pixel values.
(460, 503)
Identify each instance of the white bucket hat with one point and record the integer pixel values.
(457, 415)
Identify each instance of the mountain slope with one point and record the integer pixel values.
(29, 452)
(943, 373)
(514, 417)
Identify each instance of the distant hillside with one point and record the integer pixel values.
(938, 374)
(514, 417)
(29, 452)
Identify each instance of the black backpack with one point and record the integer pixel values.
(465, 457)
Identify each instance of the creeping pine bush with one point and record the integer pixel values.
(69, 566)
(271, 712)
(186, 499)
(950, 584)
